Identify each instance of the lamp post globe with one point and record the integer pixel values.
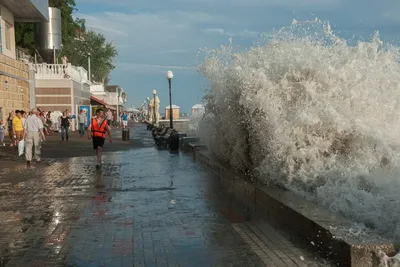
(170, 75)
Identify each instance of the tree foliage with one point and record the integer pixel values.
(25, 36)
(75, 47)
(102, 54)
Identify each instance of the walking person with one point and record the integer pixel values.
(49, 122)
(82, 122)
(2, 132)
(98, 128)
(42, 116)
(23, 117)
(17, 127)
(9, 127)
(124, 117)
(64, 122)
(109, 117)
(33, 135)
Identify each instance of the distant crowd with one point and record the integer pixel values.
(53, 121)
(28, 130)
(16, 120)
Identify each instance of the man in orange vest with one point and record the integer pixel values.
(98, 129)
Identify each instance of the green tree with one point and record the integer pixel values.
(102, 54)
(25, 36)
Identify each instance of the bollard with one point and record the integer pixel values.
(174, 142)
(125, 134)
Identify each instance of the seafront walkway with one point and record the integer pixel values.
(144, 207)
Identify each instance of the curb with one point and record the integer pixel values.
(312, 222)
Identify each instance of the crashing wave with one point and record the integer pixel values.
(312, 113)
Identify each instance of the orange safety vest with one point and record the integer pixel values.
(98, 131)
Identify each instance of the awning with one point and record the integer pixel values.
(96, 102)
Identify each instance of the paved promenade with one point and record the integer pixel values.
(145, 207)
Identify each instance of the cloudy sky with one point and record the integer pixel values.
(153, 36)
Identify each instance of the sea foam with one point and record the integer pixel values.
(309, 111)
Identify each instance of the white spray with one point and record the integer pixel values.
(310, 112)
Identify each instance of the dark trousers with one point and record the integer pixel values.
(64, 132)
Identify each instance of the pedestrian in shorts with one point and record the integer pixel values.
(97, 132)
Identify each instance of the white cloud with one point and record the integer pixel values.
(239, 33)
(227, 3)
(149, 32)
(150, 68)
(173, 51)
(214, 31)
(130, 66)
(392, 16)
(245, 33)
(106, 29)
(156, 38)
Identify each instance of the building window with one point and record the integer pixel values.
(8, 35)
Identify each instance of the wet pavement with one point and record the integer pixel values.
(145, 207)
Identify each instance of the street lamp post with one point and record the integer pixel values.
(118, 92)
(154, 107)
(148, 108)
(89, 69)
(170, 75)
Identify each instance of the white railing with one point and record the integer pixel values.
(59, 71)
(98, 88)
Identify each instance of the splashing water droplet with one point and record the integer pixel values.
(306, 110)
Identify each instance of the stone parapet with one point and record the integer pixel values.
(312, 222)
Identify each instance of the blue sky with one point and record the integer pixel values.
(153, 36)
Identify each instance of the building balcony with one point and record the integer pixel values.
(98, 89)
(28, 10)
(59, 72)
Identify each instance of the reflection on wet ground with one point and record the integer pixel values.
(145, 207)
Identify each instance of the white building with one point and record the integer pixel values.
(99, 96)
(114, 97)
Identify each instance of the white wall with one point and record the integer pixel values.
(7, 18)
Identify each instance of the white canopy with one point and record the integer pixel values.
(198, 106)
(134, 110)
